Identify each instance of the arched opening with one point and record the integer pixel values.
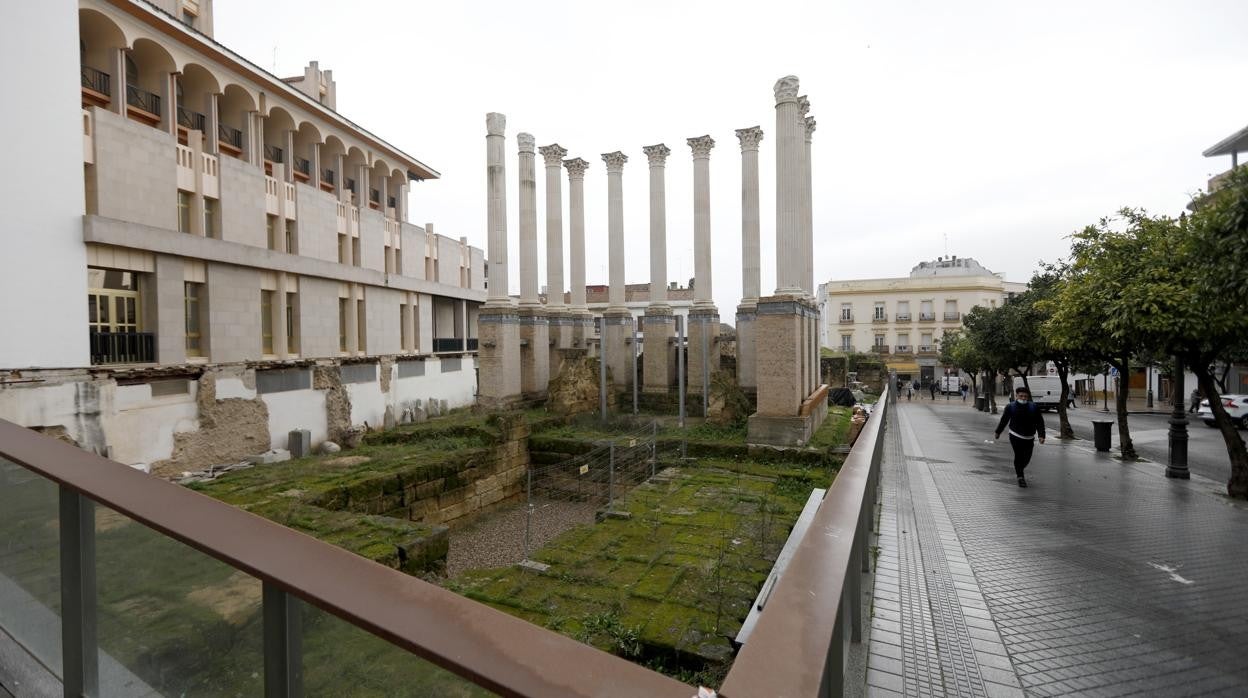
(234, 108)
(302, 160)
(99, 44)
(398, 196)
(331, 150)
(196, 88)
(277, 125)
(355, 169)
(148, 66)
(378, 184)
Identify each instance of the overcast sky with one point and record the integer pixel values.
(982, 129)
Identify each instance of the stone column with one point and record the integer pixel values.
(579, 310)
(747, 311)
(660, 326)
(809, 224)
(499, 353)
(617, 320)
(556, 310)
(534, 331)
(704, 316)
(788, 412)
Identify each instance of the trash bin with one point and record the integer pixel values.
(1101, 432)
(980, 403)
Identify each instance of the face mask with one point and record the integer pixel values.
(1021, 400)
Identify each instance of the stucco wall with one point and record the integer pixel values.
(318, 316)
(242, 203)
(318, 223)
(234, 312)
(384, 331)
(372, 240)
(134, 177)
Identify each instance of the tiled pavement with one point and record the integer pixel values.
(1099, 579)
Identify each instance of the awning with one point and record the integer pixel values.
(1231, 144)
(902, 367)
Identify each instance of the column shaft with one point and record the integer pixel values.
(528, 222)
(702, 292)
(553, 155)
(788, 189)
(576, 249)
(615, 228)
(496, 213)
(657, 155)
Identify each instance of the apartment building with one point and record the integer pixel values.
(186, 221)
(903, 319)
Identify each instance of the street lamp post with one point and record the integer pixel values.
(1177, 467)
(1150, 386)
(1105, 392)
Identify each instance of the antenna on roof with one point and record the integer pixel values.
(946, 239)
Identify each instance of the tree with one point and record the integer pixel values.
(1042, 293)
(957, 349)
(984, 328)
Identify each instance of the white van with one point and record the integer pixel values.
(1046, 391)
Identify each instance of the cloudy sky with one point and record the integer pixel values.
(985, 129)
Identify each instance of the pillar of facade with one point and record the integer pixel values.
(617, 320)
(498, 353)
(747, 311)
(578, 310)
(803, 204)
(658, 357)
(703, 316)
(556, 309)
(534, 330)
(788, 411)
(816, 375)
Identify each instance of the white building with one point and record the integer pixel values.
(230, 231)
(903, 319)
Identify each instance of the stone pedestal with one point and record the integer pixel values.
(788, 412)
(560, 338)
(747, 357)
(498, 357)
(659, 355)
(582, 328)
(703, 324)
(534, 352)
(617, 342)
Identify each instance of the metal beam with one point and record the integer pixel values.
(81, 674)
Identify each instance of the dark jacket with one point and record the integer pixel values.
(1024, 421)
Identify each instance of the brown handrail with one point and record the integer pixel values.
(490, 648)
(791, 651)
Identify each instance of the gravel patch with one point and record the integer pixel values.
(497, 539)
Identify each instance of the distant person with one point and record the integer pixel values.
(1025, 424)
(1195, 400)
(964, 388)
(932, 387)
(918, 387)
(909, 391)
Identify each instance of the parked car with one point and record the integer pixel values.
(1236, 407)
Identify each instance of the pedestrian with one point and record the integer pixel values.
(964, 389)
(916, 388)
(932, 387)
(1025, 425)
(909, 391)
(1195, 400)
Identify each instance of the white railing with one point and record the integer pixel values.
(289, 192)
(210, 172)
(342, 218)
(354, 221)
(270, 195)
(88, 138)
(186, 167)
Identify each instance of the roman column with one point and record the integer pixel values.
(556, 310)
(617, 320)
(747, 311)
(534, 331)
(499, 352)
(808, 202)
(578, 310)
(704, 316)
(803, 205)
(788, 189)
(659, 326)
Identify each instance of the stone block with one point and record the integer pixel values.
(658, 352)
(703, 334)
(534, 352)
(299, 443)
(276, 455)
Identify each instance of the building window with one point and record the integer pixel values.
(192, 295)
(292, 323)
(355, 251)
(951, 310)
(184, 212)
(927, 341)
(903, 311)
(270, 227)
(210, 218)
(404, 335)
(361, 326)
(879, 340)
(266, 321)
(925, 311)
(342, 248)
(879, 311)
(846, 340)
(847, 311)
(903, 342)
(398, 261)
(342, 324)
(292, 238)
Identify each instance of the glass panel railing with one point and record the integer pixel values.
(30, 567)
(170, 620)
(340, 659)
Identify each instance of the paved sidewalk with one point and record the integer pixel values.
(1099, 579)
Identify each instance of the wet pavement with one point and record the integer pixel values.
(1099, 579)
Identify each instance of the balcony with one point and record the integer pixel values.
(903, 317)
(374, 199)
(97, 86)
(903, 349)
(273, 153)
(302, 169)
(230, 139)
(122, 348)
(927, 317)
(143, 105)
(192, 120)
(327, 180)
(879, 349)
(846, 320)
(953, 317)
(879, 319)
(472, 344)
(447, 344)
(927, 349)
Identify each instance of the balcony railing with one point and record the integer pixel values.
(927, 317)
(374, 197)
(303, 166)
(879, 349)
(472, 344)
(903, 317)
(327, 176)
(273, 153)
(879, 318)
(447, 344)
(953, 316)
(192, 120)
(351, 186)
(140, 98)
(122, 347)
(848, 348)
(846, 320)
(230, 136)
(391, 202)
(927, 349)
(96, 80)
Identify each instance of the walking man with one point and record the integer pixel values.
(932, 387)
(1195, 400)
(1023, 420)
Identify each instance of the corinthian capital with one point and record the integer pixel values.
(553, 153)
(786, 89)
(576, 168)
(495, 124)
(810, 126)
(526, 142)
(615, 161)
(803, 105)
(750, 137)
(701, 146)
(657, 154)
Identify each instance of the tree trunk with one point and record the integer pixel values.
(991, 387)
(1063, 429)
(1237, 485)
(1026, 384)
(1120, 399)
(974, 388)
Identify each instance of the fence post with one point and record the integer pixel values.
(602, 372)
(654, 447)
(528, 515)
(680, 367)
(78, 594)
(634, 368)
(611, 479)
(283, 643)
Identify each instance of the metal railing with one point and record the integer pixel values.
(903, 349)
(445, 344)
(374, 196)
(97, 80)
(303, 165)
(327, 176)
(351, 185)
(879, 318)
(230, 135)
(140, 98)
(472, 343)
(953, 316)
(122, 347)
(903, 317)
(879, 349)
(846, 320)
(273, 153)
(927, 349)
(927, 317)
(192, 120)
(800, 645)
